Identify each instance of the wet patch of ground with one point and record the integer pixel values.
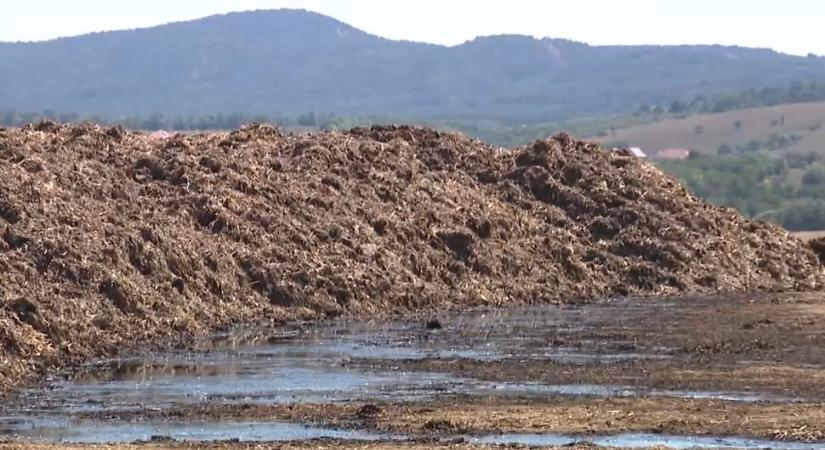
(234, 445)
(560, 416)
(706, 372)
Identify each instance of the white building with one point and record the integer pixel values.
(637, 152)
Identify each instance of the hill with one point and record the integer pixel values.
(786, 128)
(288, 62)
(785, 189)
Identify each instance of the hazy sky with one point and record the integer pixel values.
(791, 26)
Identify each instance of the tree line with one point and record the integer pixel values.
(797, 92)
(158, 121)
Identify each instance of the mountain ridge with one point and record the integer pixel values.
(294, 61)
(324, 16)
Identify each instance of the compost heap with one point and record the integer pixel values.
(114, 239)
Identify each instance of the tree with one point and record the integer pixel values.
(154, 122)
(725, 149)
(307, 120)
(677, 106)
(752, 146)
(8, 118)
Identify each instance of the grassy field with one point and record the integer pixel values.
(809, 235)
(803, 130)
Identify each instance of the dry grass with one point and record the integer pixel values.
(809, 235)
(622, 415)
(803, 119)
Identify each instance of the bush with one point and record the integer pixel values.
(814, 176)
(725, 149)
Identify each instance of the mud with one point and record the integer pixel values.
(485, 377)
(112, 240)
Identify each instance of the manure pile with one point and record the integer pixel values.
(112, 239)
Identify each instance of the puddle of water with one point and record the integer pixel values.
(605, 390)
(281, 366)
(520, 333)
(282, 381)
(92, 432)
(296, 366)
(277, 382)
(532, 333)
(643, 440)
(290, 365)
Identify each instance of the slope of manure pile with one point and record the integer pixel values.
(112, 239)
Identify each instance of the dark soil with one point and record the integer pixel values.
(111, 239)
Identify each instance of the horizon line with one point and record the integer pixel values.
(304, 10)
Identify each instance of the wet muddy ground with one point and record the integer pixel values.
(725, 372)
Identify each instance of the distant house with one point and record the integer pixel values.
(672, 154)
(637, 152)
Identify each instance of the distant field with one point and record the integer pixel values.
(706, 132)
(809, 235)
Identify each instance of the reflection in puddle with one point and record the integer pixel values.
(606, 390)
(79, 431)
(312, 377)
(277, 383)
(642, 440)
